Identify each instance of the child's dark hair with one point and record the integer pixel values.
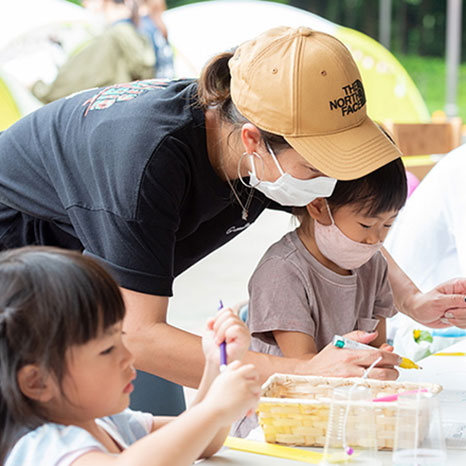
(50, 299)
(383, 190)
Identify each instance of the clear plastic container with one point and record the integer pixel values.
(419, 439)
(351, 432)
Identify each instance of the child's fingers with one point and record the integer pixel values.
(221, 329)
(248, 372)
(210, 323)
(233, 366)
(220, 317)
(236, 331)
(223, 325)
(386, 347)
(362, 336)
(222, 314)
(254, 388)
(255, 402)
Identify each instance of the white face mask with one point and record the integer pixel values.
(290, 191)
(341, 250)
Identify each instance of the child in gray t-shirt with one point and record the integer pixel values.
(328, 276)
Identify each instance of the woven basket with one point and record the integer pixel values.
(294, 410)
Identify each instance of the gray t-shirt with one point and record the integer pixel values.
(291, 291)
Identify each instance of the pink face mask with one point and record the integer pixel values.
(341, 250)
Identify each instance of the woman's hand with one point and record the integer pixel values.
(226, 327)
(234, 393)
(441, 307)
(337, 362)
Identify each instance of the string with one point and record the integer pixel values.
(349, 450)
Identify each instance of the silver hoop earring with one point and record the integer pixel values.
(246, 154)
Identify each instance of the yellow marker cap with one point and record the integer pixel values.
(408, 364)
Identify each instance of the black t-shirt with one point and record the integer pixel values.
(125, 170)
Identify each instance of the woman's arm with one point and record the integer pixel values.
(176, 355)
(172, 353)
(160, 348)
(443, 306)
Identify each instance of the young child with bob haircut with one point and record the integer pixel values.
(328, 276)
(65, 373)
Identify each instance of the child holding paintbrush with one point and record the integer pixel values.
(66, 374)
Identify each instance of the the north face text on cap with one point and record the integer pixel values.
(352, 100)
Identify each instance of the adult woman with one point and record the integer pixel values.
(140, 176)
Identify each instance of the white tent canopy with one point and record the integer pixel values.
(36, 36)
(20, 17)
(200, 30)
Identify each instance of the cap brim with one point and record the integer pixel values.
(349, 154)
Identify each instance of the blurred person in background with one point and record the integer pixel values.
(151, 25)
(120, 54)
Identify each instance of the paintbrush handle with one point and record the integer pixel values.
(223, 345)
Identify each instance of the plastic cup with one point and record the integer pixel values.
(419, 439)
(351, 435)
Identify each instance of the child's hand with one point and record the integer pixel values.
(234, 393)
(226, 326)
(335, 362)
(386, 347)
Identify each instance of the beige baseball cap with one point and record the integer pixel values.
(305, 86)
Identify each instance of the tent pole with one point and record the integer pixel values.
(385, 22)
(453, 54)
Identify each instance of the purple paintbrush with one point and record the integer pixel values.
(223, 346)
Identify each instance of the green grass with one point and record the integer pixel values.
(429, 74)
